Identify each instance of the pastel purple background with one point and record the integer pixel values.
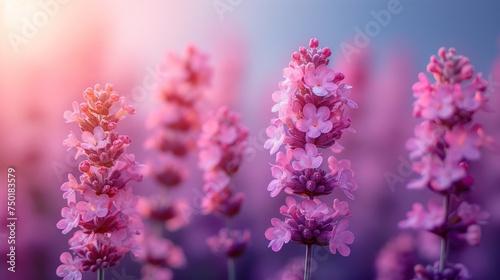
(86, 43)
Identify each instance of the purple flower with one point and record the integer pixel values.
(94, 141)
(310, 107)
(473, 235)
(100, 204)
(76, 115)
(464, 143)
(95, 206)
(70, 187)
(341, 237)
(281, 176)
(445, 140)
(71, 218)
(71, 268)
(309, 222)
(315, 120)
(420, 218)
(450, 272)
(279, 234)
(308, 158)
(395, 261)
(276, 134)
(472, 214)
(320, 80)
(346, 182)
(230, 243)
(160, 252)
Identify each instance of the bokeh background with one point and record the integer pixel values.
(50, 51)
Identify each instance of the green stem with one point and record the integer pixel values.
(444, 237)
(231, 271)
(100, 274)
(307, 265)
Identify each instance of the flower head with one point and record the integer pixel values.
(315, 121)
(320, 79)
(71, 268)
(279, 234)
(100, 204)
(340, 238)
(231, 243)
(310, 107)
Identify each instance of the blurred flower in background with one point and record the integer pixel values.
(63, 46)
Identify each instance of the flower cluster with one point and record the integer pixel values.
(451, 272)
(396, 259)
(181, 87)
(159, 254)
(222, 145)
(101, 203)
(182, 83)
(443, 144)
(310, 108)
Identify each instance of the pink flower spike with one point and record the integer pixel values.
(70, 269)
(340, 238)
(278, 235)
(95, 206)
(308, 158)
(320, 80)
(315, 121)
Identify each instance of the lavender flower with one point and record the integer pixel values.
(310, 108)
(444, 142)
(101, 204)
(183, 81)
(396, 259)
(222, 145)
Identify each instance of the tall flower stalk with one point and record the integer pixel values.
(444, 143)
(182, 83)
(310, 107)
(222, 145)
(101, 203)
